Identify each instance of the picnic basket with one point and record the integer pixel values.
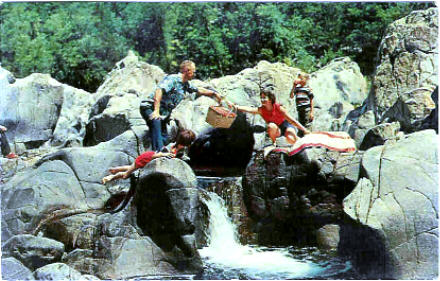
(220, 117)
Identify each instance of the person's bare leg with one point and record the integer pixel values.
(291, 136)
(112, 177)
(127, 171)
(118, 169)
(273, 131)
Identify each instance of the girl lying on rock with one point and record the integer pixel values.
(184, 139)
(279, 122)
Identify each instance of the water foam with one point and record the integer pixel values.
(224, 249)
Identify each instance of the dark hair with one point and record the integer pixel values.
(185, 137)
(269, 92)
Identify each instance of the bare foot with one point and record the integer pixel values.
(113, 171)
(106, 179)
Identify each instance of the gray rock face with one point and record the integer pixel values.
(128, 258)
(33, 251)
(283, 193)
(398, 197)
(169, 210)
(338, 88)
(379, 134)
(49, 110)
(69, 179)
(39, 98)
(116, 105)
(57, 271)
(12, 269)
(408, 70)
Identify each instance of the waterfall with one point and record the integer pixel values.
(225, 251)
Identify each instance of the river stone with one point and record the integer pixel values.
(129, 258)
(175, 173)
(188, 211)
(408, 70)
(78, 231)
(84, 261)
(398, 197)
(33, 251)
(117, 100)
(327, 236)
(13, 269)
(361, 125)
(57, 271)
(168, 210)
(338, 88)
(42, 189)
(70, 129)
(379, 134)
(40, 99)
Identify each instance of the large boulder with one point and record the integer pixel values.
(408, 70)
(339, 87)
(128, 258)
(32, 251)
(397, 197)
(12, 269)
(67, 180)
(116, 105)
(57, 271)
(38, 108)
(169, 210)
(290, 198)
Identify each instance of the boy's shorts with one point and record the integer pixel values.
(283, 127)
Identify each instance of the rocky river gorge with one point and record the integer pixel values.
(228, 212)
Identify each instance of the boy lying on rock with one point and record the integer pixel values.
(184, 139)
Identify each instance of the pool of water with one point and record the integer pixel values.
(272, 263)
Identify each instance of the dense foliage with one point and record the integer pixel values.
(79, 42)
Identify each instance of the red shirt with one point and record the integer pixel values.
(274, 116)
(146, 157)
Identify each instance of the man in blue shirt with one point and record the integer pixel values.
(157, 108)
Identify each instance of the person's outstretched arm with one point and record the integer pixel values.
(210, 93)
(292, 120)
(249, 109)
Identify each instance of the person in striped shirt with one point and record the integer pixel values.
(303, 95)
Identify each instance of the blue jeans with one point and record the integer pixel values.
(157, 129)
(157, 133)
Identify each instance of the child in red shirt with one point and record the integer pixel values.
(184, 139)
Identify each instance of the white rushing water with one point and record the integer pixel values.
(224, 250)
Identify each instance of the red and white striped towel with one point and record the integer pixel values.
(337, 141)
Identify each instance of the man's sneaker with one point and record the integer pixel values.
(11, 156)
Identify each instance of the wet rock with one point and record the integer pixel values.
(230, 189)
(33, 251)
(57, 271)
(327, 236)
(398, 197)
(169, 210)
(13, 269)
